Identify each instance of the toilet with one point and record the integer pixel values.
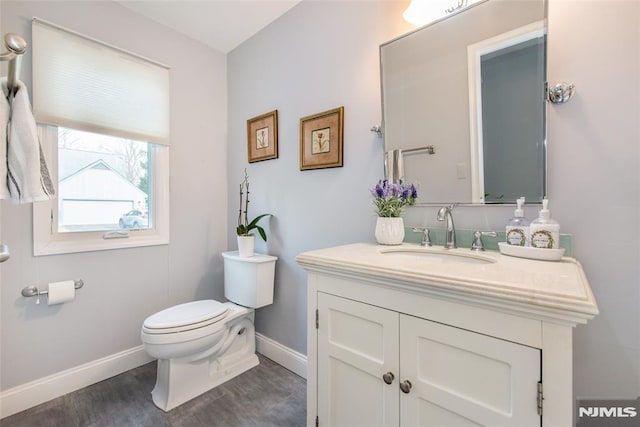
(201, 344)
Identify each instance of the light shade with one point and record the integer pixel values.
(422, 12)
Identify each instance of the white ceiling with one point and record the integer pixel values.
(220, 24)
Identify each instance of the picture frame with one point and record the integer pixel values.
(321, 140)
(262, 137)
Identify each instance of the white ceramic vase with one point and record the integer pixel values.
(246, 245)
(389, 231)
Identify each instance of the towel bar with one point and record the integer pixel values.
(32, 291)
(16, 46)
(430, 149)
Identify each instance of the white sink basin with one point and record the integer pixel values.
(445, 256)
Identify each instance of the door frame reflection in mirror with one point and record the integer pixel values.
(475, 54)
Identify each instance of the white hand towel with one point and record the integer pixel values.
(4, 122)
(28, 175)
(394, 165)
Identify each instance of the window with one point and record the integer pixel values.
(103, 121)
(103, 182)
(111, 193)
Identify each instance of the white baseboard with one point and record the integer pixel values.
(290, 359)
(33, 393)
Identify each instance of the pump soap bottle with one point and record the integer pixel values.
(545, 232)
(517, 229)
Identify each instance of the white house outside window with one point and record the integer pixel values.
(103, 182)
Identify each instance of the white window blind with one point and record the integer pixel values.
(88, 85)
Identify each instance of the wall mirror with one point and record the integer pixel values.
(464, 99)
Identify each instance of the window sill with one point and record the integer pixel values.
(87, 242)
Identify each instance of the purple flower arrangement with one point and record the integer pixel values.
(391, 199)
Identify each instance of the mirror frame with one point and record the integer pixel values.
(473, 113)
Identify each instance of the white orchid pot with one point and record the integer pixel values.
(246, 245)
(389, 231)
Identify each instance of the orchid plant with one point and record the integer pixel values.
(244, 225)
(391, 199)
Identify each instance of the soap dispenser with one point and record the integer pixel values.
(545, 232)
(517, 229)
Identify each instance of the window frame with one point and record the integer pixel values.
(46, 239)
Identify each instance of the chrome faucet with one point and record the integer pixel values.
(444, 214)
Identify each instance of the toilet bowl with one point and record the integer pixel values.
(201, 344)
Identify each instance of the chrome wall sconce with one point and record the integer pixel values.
(561, 93)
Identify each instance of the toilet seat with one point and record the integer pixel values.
(185, 317)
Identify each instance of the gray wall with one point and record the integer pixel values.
(324, 54)
(318, 56)
(594, 180)
(122, 287)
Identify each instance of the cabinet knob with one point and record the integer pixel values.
(405, 386)
(388, 377)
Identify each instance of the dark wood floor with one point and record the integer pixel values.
(267, 395)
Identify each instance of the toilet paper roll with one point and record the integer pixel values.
(61, 292)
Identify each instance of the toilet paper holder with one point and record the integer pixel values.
(32, 291)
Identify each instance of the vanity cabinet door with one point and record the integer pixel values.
(357, 358)
(461, 378)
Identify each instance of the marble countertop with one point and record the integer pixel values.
(559, 286)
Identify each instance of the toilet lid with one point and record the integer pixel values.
(187, 314)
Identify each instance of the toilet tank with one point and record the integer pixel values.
(248, 281)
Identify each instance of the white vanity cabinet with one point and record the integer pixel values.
(408, 342)
(378, 367)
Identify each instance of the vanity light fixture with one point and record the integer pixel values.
(422, 12)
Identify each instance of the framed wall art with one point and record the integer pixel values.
(262, 137)
(321, 140)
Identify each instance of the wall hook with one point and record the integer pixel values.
(561, 93)
(377, 129)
